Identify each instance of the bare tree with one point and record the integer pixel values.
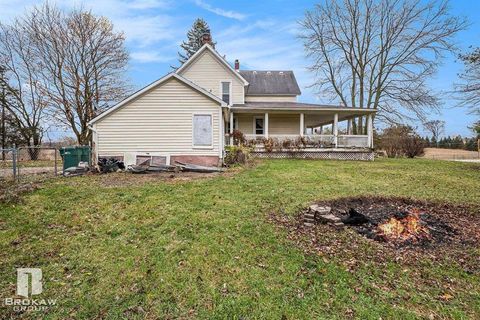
(20, 81)
(435, 127)
(468, 89)
(379, 53)
(82, 63)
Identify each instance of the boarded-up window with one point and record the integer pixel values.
(143, 160)
(151, 160)
(202, 130)
(158, 160)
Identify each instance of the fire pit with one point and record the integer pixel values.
(396, 222)
(407, 227)
(363, 230)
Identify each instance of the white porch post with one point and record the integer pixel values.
(370, 131)
(266, 125)
(231, 128)
(302, 124)
(335, 129)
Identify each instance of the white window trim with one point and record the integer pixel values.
(150, 154)
(210, 147)
(255, 125)
(229, 89)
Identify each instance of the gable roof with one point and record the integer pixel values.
(270, 82)
(151, 86)
(207, 47)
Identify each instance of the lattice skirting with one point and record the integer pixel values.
(331, 154)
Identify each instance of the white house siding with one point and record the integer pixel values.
(270, 98)
(160, 122)
(245, 122)
(207, 72)
(284, 124)
(278, 124)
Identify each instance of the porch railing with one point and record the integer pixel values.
(349, 141)
(316, 140)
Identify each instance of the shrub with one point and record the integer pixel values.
(400, 141)
(413, 146)
(300, 143)
(236, 155)
(268, 144)
(252, 143)
(286, 144)
(238, 137)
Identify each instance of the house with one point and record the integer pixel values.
(189, 115)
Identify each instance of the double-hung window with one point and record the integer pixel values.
(225, 87)
(259, 125)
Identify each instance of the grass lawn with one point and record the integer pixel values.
(205, 248)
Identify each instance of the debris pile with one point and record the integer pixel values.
(110, 165)
(80, 169)
(180, 166)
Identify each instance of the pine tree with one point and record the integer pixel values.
(10, 133)
(194, 40)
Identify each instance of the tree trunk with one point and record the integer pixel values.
(360, 126)
(4, 132)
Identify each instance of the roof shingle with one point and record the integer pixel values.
(270, 82)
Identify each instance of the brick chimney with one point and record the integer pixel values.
(207, 38)
(237, 65)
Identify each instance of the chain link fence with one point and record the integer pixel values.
(29, 163)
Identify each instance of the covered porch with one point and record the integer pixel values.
(318, 126)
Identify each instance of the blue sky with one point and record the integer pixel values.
(261, 34)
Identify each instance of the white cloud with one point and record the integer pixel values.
(219, 11)
(150, 56)
(148, 4)
(146, 30)
(268, 45)
(144, 22)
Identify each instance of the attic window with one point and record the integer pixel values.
(226, 92)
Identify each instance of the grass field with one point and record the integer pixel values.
(450, 154)
(122, 246)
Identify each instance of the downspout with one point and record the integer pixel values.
(224, 112)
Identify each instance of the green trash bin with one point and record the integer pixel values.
(71, 156)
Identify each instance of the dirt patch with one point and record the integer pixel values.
(11, 192)
(121, 179)
(455, 230)
(27, 171)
